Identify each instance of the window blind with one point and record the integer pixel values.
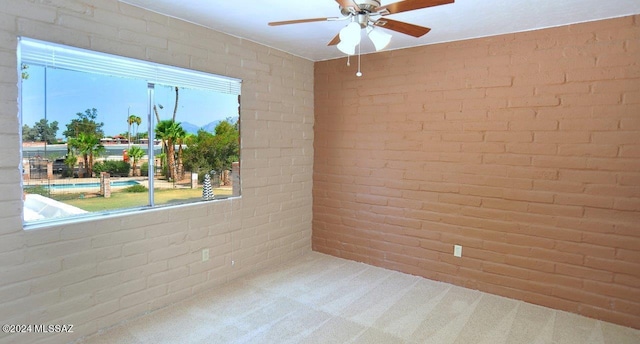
(64, 57)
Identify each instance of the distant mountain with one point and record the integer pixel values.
(193, 128)
(190, 127)
(211, 127)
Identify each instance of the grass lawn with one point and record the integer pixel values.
(122, 200)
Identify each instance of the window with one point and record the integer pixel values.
(103, 133)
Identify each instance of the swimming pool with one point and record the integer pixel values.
(68, 186)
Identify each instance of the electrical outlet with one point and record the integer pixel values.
(457, 250)
(205, 254)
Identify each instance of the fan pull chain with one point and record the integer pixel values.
(348, 62)
(359, 74)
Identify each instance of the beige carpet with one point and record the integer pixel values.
(322, 299)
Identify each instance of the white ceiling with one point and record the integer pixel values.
(461, 20)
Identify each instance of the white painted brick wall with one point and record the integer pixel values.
(95, 274)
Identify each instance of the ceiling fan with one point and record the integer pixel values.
(367, 14)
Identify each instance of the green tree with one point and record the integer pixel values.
(70, 161)
(131, 120)
(228, 144)
(175, 107)
(88, 146)
(207, 151)
(85, 123)
(170, 132)
(180, 140)
(28, 134)
(42, 131)
(135, 154)
(200, 151)
(138, 121)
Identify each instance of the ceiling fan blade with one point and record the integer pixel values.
(348, 3)
(298, 21)
(335, 40)
(406, 28)
(410, 5)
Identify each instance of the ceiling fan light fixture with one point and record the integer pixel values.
(366, 14)
(349, 49)
(350, 34)
(379, 38)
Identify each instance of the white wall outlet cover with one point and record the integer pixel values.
(457, 250)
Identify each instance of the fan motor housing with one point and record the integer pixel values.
(367, 6)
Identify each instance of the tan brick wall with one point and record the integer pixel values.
(523, 148)
(95, 274)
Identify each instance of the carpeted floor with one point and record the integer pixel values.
(323, 299)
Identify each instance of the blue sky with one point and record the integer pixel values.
(70, 92)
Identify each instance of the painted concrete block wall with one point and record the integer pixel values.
(523, 148)
(95, 274)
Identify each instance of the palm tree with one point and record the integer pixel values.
(169, 132)
(175, 107)
(135, 153)
(137, 122)
(181, 135)
(70, 161)
(87, 145)
(132, 119)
